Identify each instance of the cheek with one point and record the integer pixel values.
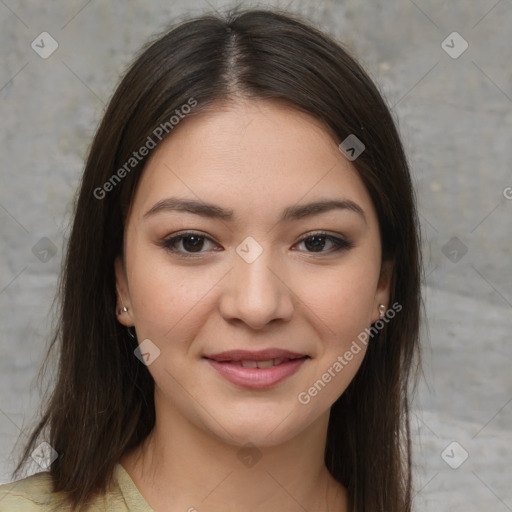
(342, 298)
(341, 308)
(164, 308)
(166, 302)
(165, 295)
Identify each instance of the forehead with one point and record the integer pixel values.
(243, 130)
(249, 155)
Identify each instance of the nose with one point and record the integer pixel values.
(257, 292)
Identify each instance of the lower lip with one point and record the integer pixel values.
(257, 378)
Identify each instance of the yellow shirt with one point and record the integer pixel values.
(34, 494)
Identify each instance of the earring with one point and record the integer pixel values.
(124, 309)
(382, 309)
(130, 333)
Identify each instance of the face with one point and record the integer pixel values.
(247, 293)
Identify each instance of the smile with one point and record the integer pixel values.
(260, 364)
(257, 373)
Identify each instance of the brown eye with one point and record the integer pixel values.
(193, 243)
(316, 243)
(185, 243)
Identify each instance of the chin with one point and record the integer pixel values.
(264, 431)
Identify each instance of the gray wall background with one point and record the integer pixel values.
(455, 116)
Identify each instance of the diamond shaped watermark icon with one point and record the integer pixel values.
(454, 249)
(249, 250)
(44, 45)
(44, 250)
(454, 455)
(249, 455)
(44, 455)
(454, 45)
(352, 147)
(147, 352)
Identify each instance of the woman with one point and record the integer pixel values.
(240, 298)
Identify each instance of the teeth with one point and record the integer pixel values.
(265, 364)
(269, 363)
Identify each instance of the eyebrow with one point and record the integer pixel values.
(290, 213)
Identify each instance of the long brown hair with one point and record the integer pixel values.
(102, 405)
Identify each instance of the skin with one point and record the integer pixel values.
(256, 158)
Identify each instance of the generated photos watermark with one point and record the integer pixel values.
(352, 147)
(304, 397)
(44, 455)
(157, 135)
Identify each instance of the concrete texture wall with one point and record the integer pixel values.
(446, 70)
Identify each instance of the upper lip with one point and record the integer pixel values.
(254, 355)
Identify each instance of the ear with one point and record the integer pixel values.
(123, 295)
(383, 291)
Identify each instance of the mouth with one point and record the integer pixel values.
(268, 363)
(256, 369)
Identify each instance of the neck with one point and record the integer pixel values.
(181, 466)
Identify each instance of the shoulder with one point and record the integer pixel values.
(35, 494)
(30, 494)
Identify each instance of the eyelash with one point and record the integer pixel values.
(169, 243)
